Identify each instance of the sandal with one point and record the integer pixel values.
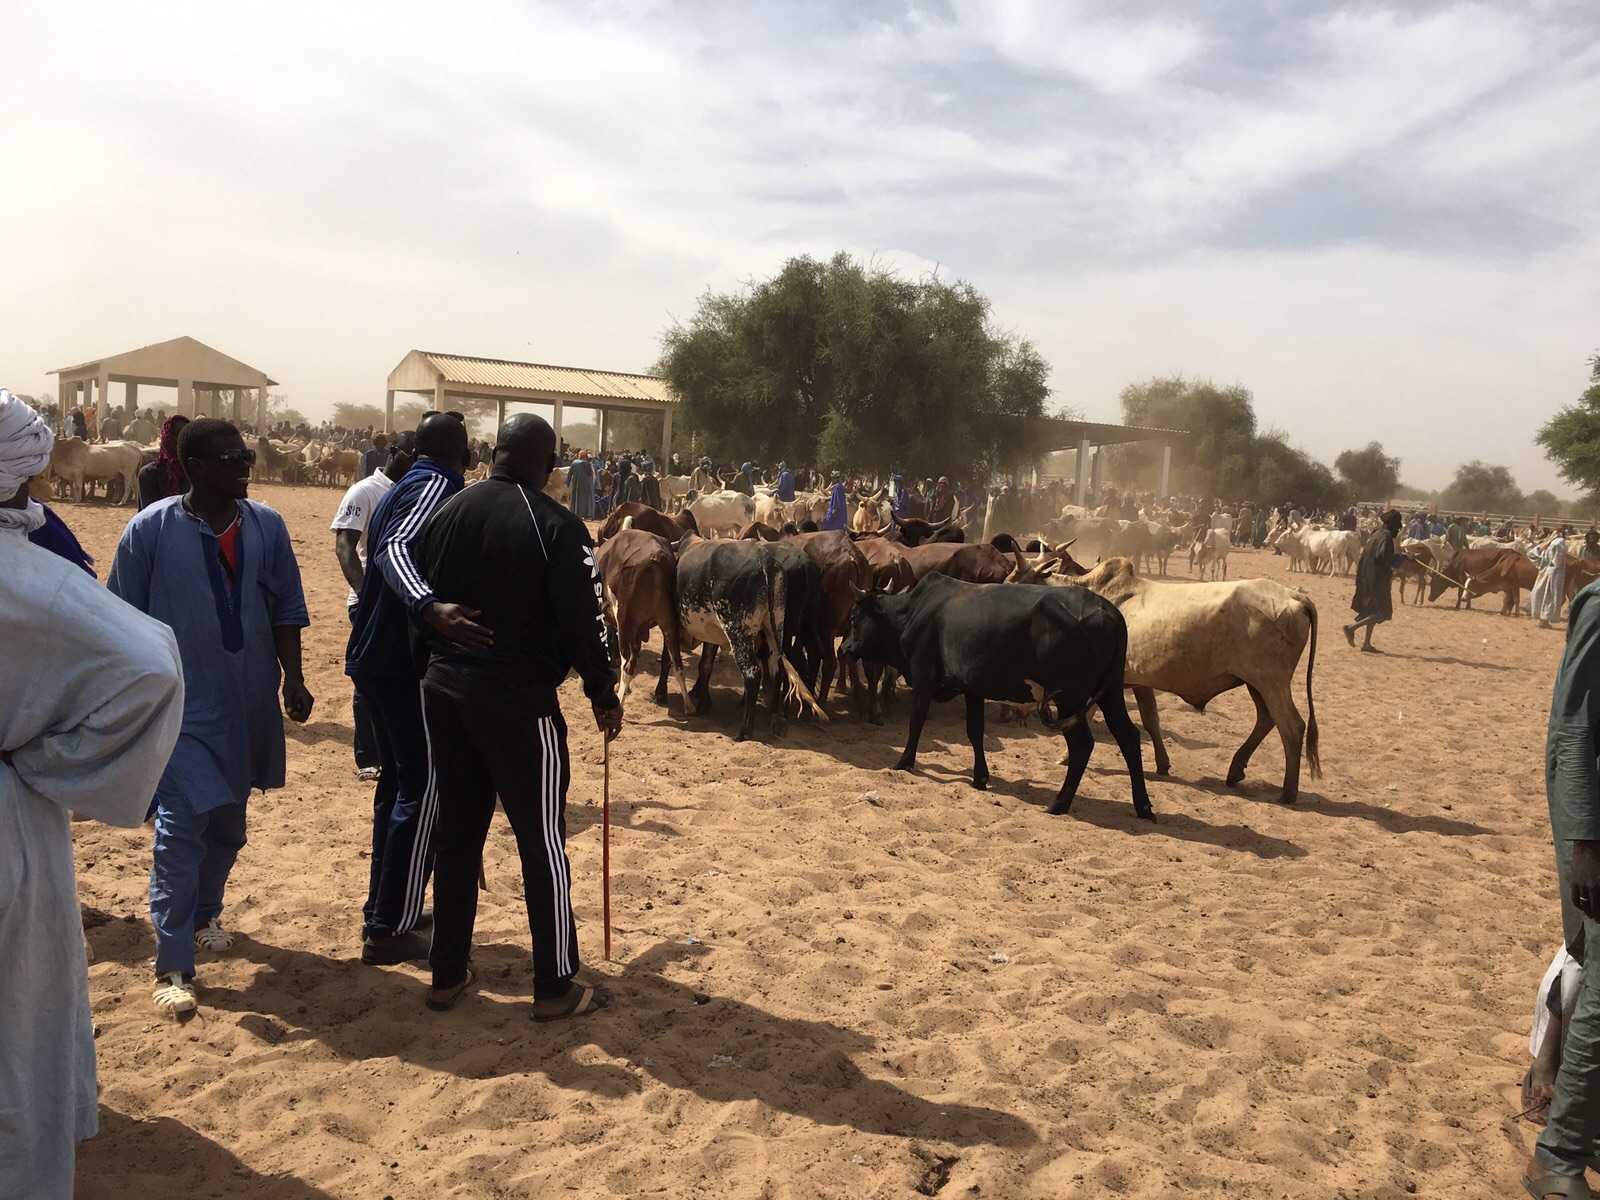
(175, 995)
(1542, 1184)
(213, 937)
(443, 999)
(582, 999)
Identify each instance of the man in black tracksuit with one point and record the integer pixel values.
(522, 567)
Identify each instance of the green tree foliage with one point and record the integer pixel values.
(1545, 503)
(1285, 473)
(1217, 460)
(408, 414)
(1481, 487)
(1368, 473)
(1571, 438)
(845, 366)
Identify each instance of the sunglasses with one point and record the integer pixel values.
(231, 458)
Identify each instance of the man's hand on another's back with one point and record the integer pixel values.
(454, 621)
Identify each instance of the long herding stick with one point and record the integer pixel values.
(605, 844)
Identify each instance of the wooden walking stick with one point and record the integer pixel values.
(605, 844)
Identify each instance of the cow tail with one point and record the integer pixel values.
(1313, 760)
(777, 597)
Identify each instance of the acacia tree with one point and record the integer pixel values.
(849, 366)
(1368, 473)
(1571, 438)
(1482, 487)
(1218, 459)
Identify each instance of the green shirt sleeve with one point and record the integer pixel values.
(1572, 780)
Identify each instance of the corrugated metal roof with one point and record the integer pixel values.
(539, 377)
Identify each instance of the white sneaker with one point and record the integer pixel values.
(213, 936)
(175, 994)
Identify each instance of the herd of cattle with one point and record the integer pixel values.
(803, 613)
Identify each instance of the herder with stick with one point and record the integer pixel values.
(1374, 600)
(525, 566)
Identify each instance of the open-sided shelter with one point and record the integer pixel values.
(195, 369)
(440, 376)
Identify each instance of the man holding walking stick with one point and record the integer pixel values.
(522, 568)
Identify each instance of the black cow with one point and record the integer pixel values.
(735, 593)
(1064, 648)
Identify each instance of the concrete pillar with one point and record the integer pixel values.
(438, 396)
(600, 429)
(103, 400)
(1081, 467)
(500, 419)
(186, 398)
(1166, 470)
(130, 404)
(388, 411)
(263, 410)
(557, 421)
(666, 441)
(1096, 481)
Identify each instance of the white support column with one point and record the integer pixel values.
(130, 402)
(438, 396)
(1081, 467)
(557, 421)
(666, 442)
(1166, 471)
(186, 398)
(263, 410)
(500, 418)
(102, 401)
(388, 412)
(1096, 480)
(600, 427)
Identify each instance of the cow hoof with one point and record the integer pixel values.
(1060, 808)
(906, 764)
(1147, 815)
(702, 705)
(659, 697)
(1166, 770)
(980, 783)
(741, 737)
(779, 727)
(1288, 799)
(1232, 780)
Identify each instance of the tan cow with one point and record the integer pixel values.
(557, 488)
(1200, 640)
(869, 515)
(77, 462)
(340, 466)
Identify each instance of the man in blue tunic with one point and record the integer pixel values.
(785, 488)
(838, 508)
(220, 572)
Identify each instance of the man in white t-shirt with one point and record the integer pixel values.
(350, 547)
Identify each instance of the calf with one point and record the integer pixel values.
(1060, 648)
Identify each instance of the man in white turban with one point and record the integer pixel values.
(91, 701)
(25, 445)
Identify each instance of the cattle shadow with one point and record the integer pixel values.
(624, 815)
(721, 1049)
(1266, 791)
(161, 1157)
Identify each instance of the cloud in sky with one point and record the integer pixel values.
(1381, 219)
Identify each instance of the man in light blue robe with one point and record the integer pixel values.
(237, 616)
(580, 486)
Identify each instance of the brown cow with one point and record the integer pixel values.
(891, 572)
(973, 562)
(1580, 571)
(650, 520)
(1484, 570)
(845, 573)
(640, 575)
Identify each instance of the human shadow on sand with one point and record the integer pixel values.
(159, 1158)
(721, 1049)
(319, 731)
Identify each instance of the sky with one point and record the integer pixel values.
(1383, 220)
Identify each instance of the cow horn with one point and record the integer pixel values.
(1021, 568)
(940, 524)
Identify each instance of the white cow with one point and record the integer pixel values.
(673, 489)
(75, 460)
(1212, 551)
(721, 512)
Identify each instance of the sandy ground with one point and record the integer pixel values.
(835, 980)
